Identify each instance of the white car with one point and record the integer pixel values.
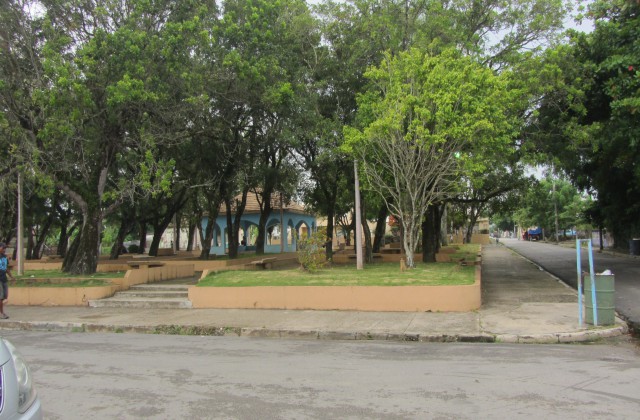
(18, 398)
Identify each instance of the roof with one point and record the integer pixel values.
(253, 206)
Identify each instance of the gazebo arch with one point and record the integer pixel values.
(293, 215)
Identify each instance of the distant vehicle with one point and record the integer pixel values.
(532, 234)
(18, 397)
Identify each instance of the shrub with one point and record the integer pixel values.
(309, 251)
(134, 249)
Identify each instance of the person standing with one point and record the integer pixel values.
(5, 271)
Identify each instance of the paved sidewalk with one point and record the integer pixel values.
(521, 304)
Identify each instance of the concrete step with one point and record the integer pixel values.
(160, 287)
(146, 296)
(137, 293)
(141, 303)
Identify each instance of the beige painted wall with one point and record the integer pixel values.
(58, 296)
(355, 298)
(79, 296)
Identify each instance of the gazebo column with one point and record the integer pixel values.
(294, 242)
(223, 237)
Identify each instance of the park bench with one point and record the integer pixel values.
(391, 251)
(263, 263)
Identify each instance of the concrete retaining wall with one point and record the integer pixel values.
(155, 274)
(353, 298)
(58, 296)
(79, 296)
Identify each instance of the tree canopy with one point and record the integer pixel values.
(426, 121)
(134, 114)
(588, 124)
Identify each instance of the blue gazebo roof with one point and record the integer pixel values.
(292, 214)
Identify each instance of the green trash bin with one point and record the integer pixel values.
(605, 298)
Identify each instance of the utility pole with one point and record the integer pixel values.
(555, 205)
(19, 233)
(359, 262)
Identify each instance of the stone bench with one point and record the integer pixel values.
(263, 263)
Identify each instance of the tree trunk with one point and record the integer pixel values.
(233, 223)
(126, 226)
(65, 235)
(601, 237)
(233, 226)
(368, 249)
(444, 238)
(176, 230)
(63, 241)
(473, 218)
(430, 234)
(381, 228)
(232, 235)
(329, 244)
(85, 258)
(265, 212)
(155, 242)
(30, 243)
(408, 252)
(159, 227)
(143, 237)
(40, 238)
(206, 237)
(192, 235)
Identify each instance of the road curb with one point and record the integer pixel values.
(564, 338)
(555, 338)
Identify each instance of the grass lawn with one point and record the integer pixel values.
(56, 278)
(380, 274)
(33, 282)
(54, 274)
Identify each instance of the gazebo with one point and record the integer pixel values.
(292, 216)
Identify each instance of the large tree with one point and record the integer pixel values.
(425, 120)
(113, 74)
(588, 125)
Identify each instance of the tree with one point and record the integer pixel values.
(589, 126)
(425, 121)
(488, 189)
(499, 31)
(552, 198)
(108, 76)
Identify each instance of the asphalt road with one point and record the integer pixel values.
(561, 262)
(143, 376)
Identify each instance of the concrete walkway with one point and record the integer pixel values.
(521, 304)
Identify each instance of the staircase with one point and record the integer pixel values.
(148, 296)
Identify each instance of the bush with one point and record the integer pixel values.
(309, 251)
(133, 249)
